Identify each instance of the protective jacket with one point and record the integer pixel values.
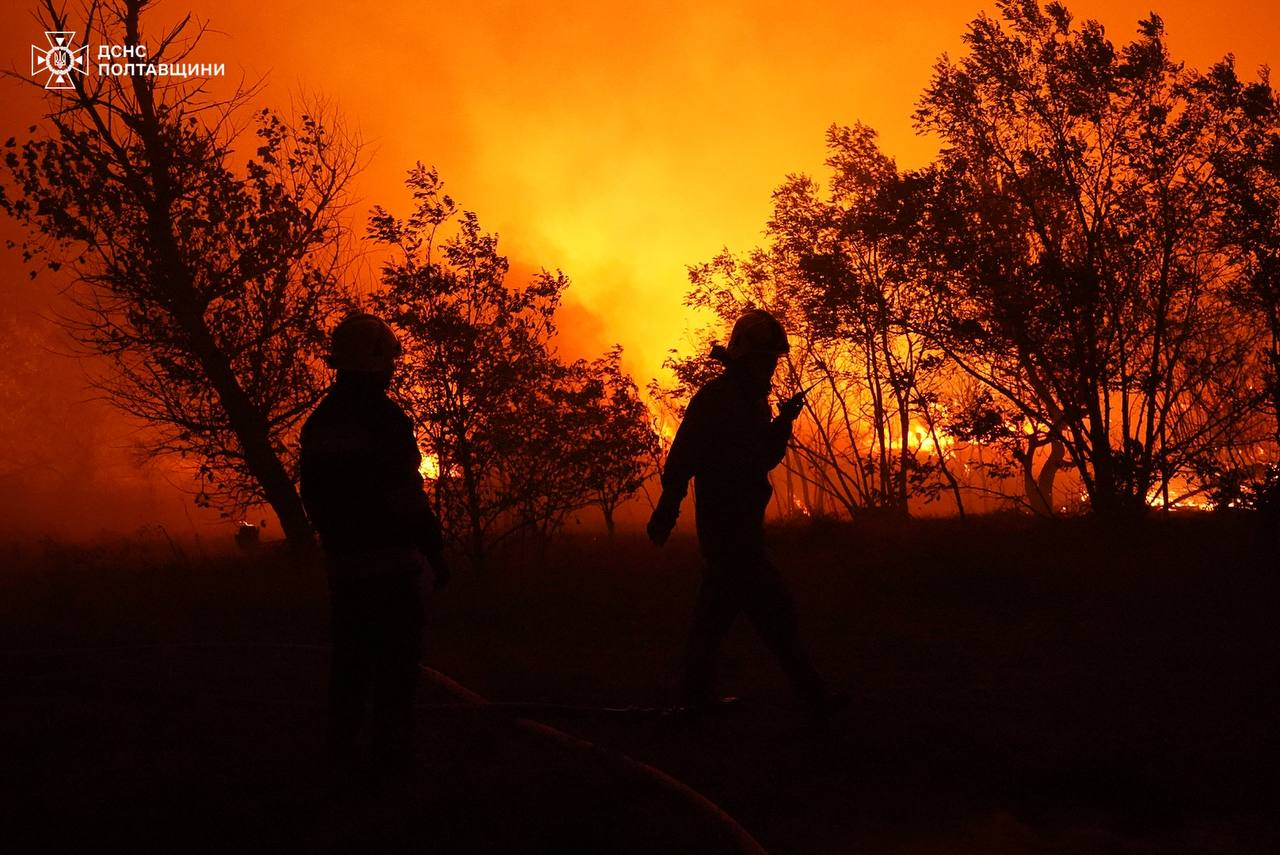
(727, 443)
(359, 477)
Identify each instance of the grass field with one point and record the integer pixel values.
(1015, 686)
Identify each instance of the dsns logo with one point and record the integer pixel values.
(59, 61)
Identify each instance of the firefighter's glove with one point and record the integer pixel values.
(789, 409)
(663, 520)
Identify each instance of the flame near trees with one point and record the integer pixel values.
(838, 271)
(1080, 297)
(1075, 224)
(1250, 172)
(1083, 281)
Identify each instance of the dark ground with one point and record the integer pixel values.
(1015, 687)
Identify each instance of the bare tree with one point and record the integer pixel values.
(204, 261)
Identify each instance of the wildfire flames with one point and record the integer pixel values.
(429, 468)
(919, 437)
(1155, 499)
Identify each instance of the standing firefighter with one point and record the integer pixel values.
(727, 443)
(363, 493)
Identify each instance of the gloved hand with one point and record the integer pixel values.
(789, 409)
(663, 520)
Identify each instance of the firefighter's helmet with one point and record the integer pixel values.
(757, 331)
(363, 342)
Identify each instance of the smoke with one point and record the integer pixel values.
(617, 142)
(68, 462)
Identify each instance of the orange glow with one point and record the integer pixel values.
(429, 468)
(618, 142)
(622, 142)
(1180, 498)
(919, 438)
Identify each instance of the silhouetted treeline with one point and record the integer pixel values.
(208, 280)
(1073, 307)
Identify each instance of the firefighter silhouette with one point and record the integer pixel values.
(364, 495)
(727, 443)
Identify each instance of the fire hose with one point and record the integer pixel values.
(472, 701)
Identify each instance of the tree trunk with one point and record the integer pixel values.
(246, 419)
(1039, 487)
(254, 434)
(1049, 472)
(905, 455)
(1104, 496)
(476, 535)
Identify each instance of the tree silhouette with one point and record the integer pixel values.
(837, 271)
(851, 254)
(521, 438)
(982, 420)
(204, 277)
(616, 434)
(1075, 217)
(1250, 170)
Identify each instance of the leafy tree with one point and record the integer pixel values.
(1074, 222)
(203, 276)
(1250, 170)
(477, 354)
(520, 438)
(837, 271)
(618, 439)
(852, 256)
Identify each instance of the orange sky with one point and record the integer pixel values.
(617, 141)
